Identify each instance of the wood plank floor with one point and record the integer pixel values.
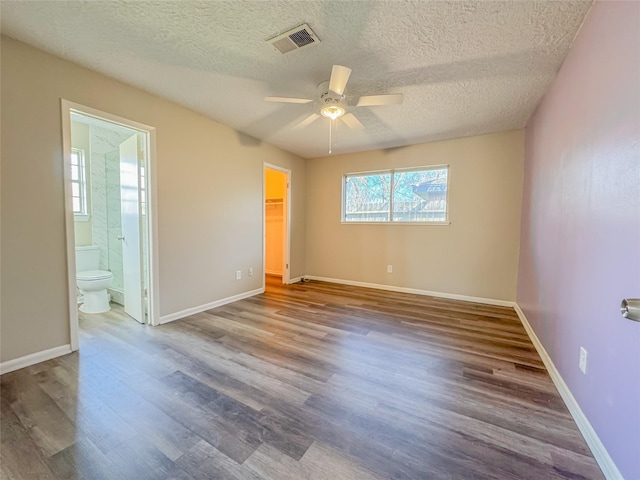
(308, 381)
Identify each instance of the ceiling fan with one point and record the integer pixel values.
(333, 104)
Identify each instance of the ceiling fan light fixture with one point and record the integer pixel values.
(332, 111)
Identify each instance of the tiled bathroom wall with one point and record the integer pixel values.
(99, 207)
(105, 200)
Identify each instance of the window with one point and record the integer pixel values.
(396, 196)
(78, 183)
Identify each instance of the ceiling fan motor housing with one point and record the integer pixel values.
(331, 99)
(331, 104)
(327, 95)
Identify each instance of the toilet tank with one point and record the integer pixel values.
(87, 258)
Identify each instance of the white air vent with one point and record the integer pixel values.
(295, 39)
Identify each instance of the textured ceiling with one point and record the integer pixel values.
(464, 67)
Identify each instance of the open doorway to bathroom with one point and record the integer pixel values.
(276, 222)
(110, 234)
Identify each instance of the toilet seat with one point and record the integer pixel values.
(94, 275)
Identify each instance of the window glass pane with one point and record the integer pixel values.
(78, 179)
(420, 196)
(367, 198)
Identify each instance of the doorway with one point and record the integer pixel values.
(277, 222)
(109, 203)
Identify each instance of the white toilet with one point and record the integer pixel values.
(93, 283)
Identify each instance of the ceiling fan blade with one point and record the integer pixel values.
(287, 100)
(339, 79)
(373, 100)
(352, 122)
(307, 121)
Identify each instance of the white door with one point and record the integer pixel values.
(131, 246)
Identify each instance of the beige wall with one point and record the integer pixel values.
(210, 197)
(476, 255)
(80, 139)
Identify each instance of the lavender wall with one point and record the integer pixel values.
(580, 238)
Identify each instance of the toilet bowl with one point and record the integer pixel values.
(92, 282)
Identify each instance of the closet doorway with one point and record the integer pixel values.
(276, 222)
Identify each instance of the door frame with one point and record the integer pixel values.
(286, 202)
(66, 108)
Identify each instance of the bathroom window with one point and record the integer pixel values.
(79, 184)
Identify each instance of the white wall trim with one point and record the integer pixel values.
(65, 112)
(33, 358)
(273, 272)
(295, 280)
(393, 288)
(606, 463)
(208, 306)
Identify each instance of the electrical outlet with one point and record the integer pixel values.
(582, 364)
(251, 272)
(238, 274)
(389, 268)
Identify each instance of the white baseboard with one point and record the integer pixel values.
(116, 295)
(296, 279)
(32, 359)
(606, 463)
(392, 288)
(273, 272)
(208, 306)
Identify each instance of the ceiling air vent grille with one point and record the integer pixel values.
(294, 39)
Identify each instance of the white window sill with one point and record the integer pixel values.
(434, 224)
(81, 218)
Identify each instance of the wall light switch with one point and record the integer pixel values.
(582, 364)
(251, 272)
(238, 274)
(389, 268)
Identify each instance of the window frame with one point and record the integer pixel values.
(83, 215)
(391, 172)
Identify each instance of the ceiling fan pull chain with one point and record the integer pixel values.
(330, 122)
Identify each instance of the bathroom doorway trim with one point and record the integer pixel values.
(152, 215)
